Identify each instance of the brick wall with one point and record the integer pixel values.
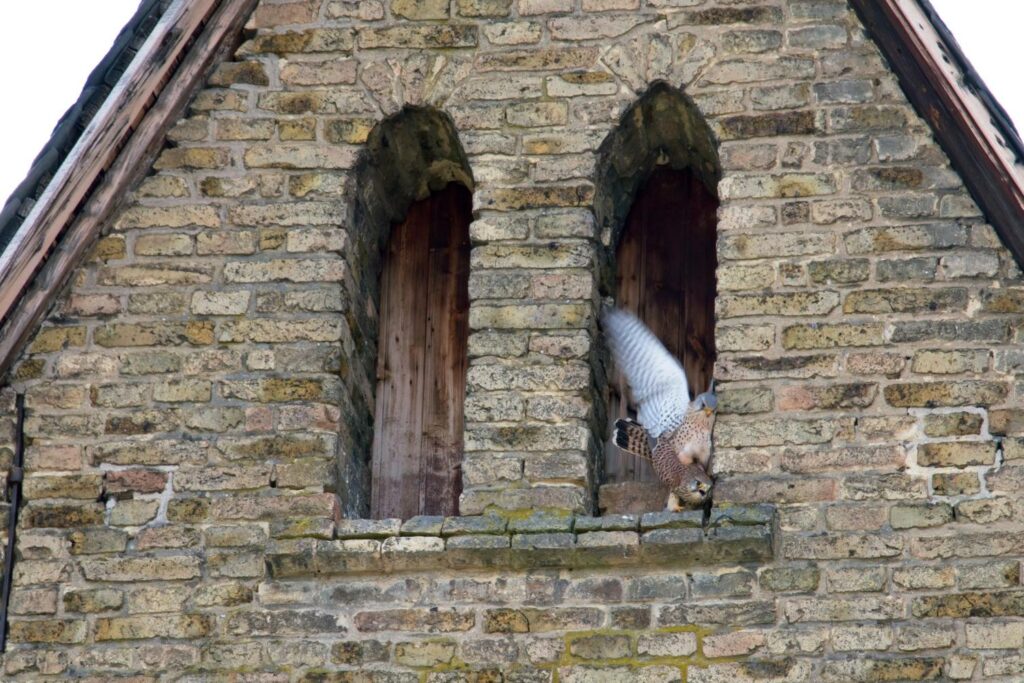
(199, 398)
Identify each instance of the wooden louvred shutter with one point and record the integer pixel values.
(666, 275)
(424, 328)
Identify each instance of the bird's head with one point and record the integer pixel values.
(694, 486)
(708, 402)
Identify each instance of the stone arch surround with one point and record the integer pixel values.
(406, 156)
(663, 127)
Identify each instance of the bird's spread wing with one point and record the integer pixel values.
(656, 379)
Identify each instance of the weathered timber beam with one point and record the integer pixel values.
(960, 120)
(117, 148)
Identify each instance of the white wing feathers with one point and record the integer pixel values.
(656, 378)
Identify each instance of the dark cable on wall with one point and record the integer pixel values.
(15, 475)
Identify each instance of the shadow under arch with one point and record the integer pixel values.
(662, 128)
(407, 157)
(656, 206)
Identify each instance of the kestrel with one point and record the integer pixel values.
(673, 431)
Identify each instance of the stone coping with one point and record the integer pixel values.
(733, 535)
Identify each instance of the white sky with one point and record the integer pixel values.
(48, 48)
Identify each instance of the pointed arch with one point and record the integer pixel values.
(412, 212)
(662, 128)
(656, 204)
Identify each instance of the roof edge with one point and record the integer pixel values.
(98, 85)
(970, 125)
(116, 149)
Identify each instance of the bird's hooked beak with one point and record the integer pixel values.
(708, 410)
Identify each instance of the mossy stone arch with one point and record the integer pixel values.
(662, 128)
(656, 206)
(408, 157)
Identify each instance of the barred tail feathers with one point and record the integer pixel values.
(631, 437)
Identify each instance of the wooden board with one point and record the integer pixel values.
(666, 275)
(422, 361)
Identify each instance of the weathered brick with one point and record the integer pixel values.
(163, 626)
(905, 238)
(1006, 421)
(941, 394)
(829, 397)
(856, 580)
(790, 579)
(787, 185)
(973, 545)
(66, 631)
(975, 604)
(93, 600)
(417, 620)
(954, 424)
(961, 483)
(667, 644)
(751, 70)
(133, 512)
(985, 636)
(194, 333)
(928, 515)
(923, 577)
(600, 647)
(439, 36)
(191, 158)
(131, 569)
(849, 457)
(866, 669)
(956, 454)
(796, 304)
(861, 637)
(88, 541)
(63, 515)
(232, 73)
(314, 40)
(841, 546)
(984, 511)
(729, 613)
(843, 609)
(989, 574)
(80, 486)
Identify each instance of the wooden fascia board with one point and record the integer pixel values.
(960, 121)
(116, 149)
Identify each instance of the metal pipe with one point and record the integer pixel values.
(14, 478)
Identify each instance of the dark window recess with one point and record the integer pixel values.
(421, 363)
(665, 273)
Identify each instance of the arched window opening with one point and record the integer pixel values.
(421, 359)
(404, 377)
(665, 274)
(656, 206)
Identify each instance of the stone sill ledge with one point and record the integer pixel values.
(734, 535)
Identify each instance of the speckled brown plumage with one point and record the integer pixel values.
(680, 458)
(673, 432)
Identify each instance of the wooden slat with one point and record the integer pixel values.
(699, 286)
(445, 364)
(629, 276)
(398, 424)
(422, 361)
(116, 149)
(961, 122)
(665, 275)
